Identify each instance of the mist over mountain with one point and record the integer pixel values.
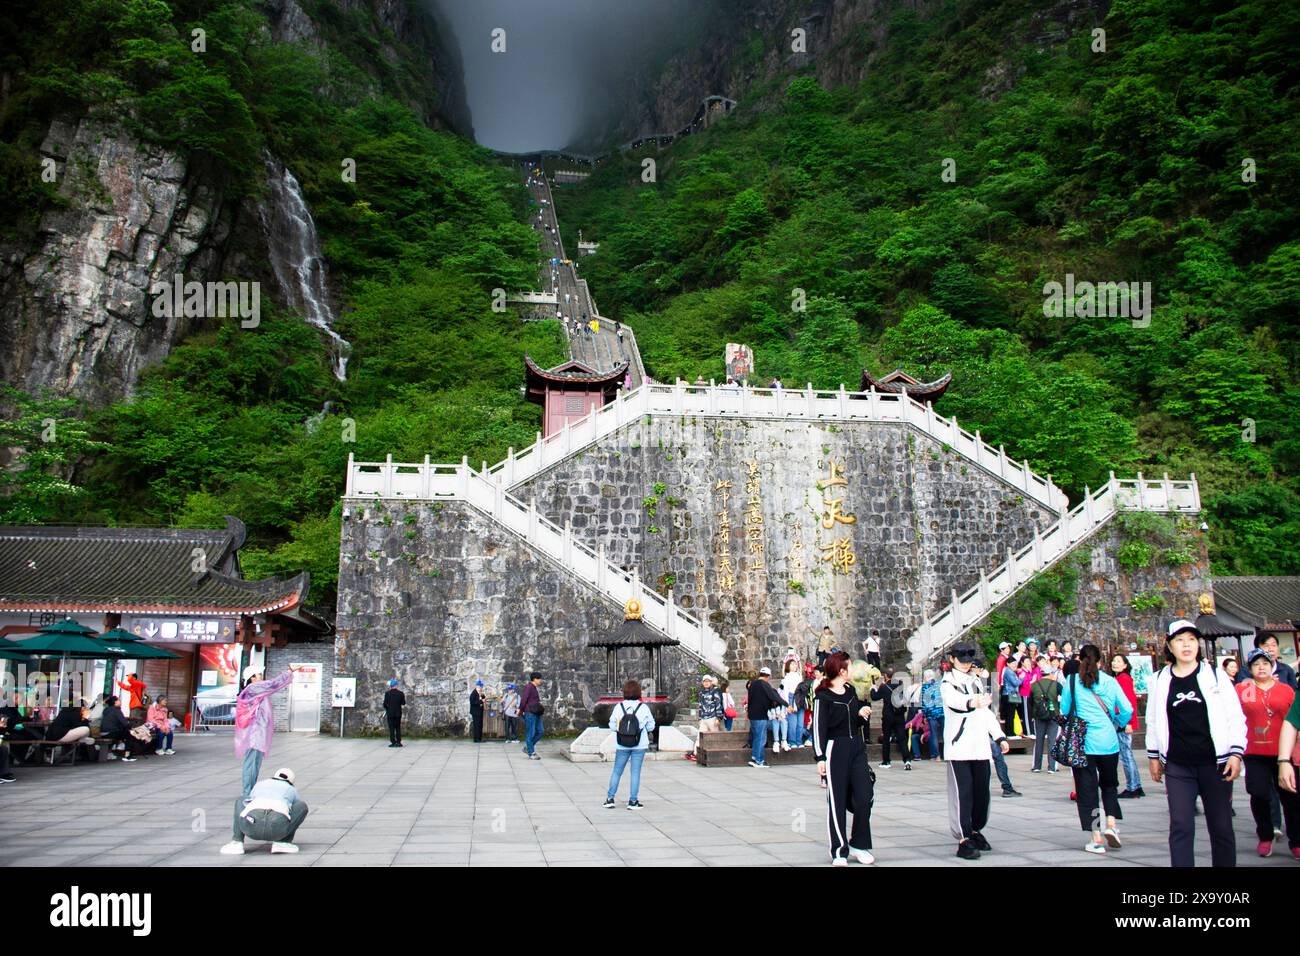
(559, 81)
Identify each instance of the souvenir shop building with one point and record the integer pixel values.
(179, 589)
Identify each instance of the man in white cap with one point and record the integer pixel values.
(272, 813)
(711, 711)
(254, 720)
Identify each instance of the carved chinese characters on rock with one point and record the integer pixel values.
(754, 545)
(726, 571)
(839, 552)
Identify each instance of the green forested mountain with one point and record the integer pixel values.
(431, 225)
(1169, 158)
(1122, 165)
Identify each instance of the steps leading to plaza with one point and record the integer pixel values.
(966, 611)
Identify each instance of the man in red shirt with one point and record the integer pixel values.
(135, 688)
(1265, 700)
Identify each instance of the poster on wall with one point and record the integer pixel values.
(1142, 671)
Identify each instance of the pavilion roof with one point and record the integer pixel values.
(1266, 602)
(633, 633)
(72, 570)
(898, 380)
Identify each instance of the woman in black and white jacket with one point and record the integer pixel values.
(839, 718)
(1196, 736)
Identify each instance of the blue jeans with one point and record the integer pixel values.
(936, 736)
(794, 729)
(1132, 779)
(778, 730)
(757, 739)
(532, 731)
(165, 740)
(1000, 763)
(622, 756)
(252, 767)
(728, 723)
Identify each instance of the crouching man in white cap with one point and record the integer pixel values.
(272, 814)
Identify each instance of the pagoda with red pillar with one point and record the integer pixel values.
(569, 391)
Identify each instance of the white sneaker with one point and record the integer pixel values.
(284, 848)
(110, 756)
(233, 848)
(159, 753)
(840, 861)
(1112, 838)
(1098, 848)
(862, 856)
(169, 751)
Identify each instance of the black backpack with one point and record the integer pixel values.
(629, 728)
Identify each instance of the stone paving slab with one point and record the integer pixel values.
(452, 803)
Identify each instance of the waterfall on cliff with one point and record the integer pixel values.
(296, 258)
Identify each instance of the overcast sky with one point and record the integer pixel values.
(562, 64)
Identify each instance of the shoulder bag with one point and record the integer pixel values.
(1069, 746)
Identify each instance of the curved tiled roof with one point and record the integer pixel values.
(575, 372)
(137, 570)
(898, 380)
(1261, 600)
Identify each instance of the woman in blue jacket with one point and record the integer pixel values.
(1093, 696)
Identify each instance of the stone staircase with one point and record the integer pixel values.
(966, 611)
(461, 482)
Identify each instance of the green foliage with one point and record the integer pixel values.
(47, 435)
(1148, 601)
(1116, 167)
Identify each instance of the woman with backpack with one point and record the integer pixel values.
(631, 722)
(839, 717)
(1196, 736)
(1095, 698)
(1045, 703)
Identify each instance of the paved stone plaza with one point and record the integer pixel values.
(453, 803)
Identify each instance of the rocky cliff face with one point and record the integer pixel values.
(75, 312)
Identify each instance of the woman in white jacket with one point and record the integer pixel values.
(1196, 735)
(968, 727)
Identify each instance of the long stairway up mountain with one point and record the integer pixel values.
(602, 350)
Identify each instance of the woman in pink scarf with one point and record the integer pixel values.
(254, 722)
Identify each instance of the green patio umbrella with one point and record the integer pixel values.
(63, 640)
(132, 646)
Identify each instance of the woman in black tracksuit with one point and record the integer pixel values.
(839, 718)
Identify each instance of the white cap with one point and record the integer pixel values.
(1003, 644)
(765, 671)
(285, 774)
(252, 670)
(710, 678)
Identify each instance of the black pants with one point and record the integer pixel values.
(133, 747)
(394, 730)
(849, 789)
(1101, 773)
(4, 759)
(873, 658)
(898, 734)
(1261, 784)
(968, 797)
(1182, 785)
(511, 731)
(1006, 707)
(476, 722)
